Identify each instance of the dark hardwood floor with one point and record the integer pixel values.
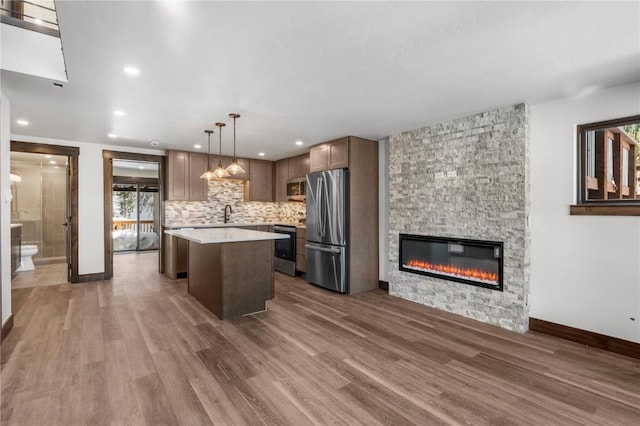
(138, 349)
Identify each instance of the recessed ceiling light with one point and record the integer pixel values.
(197, 146)
(52, 162)
(141, 167)
(261, 154)
(22, 122)
(118, 113)
(131, 70)
(47, 156)
(112, 135)
(154, 143)
(38, 21)
(299, 142)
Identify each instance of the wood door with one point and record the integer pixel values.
(261, 181)
(281, 178)
(198, 187)
(338, 154)
(177, 175)
(318, 158)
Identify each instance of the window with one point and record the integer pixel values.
(609, 162)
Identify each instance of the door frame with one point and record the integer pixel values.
(107, 165)
(72, 153)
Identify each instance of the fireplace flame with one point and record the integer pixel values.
(467, 273)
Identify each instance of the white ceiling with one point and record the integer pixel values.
(314, 71)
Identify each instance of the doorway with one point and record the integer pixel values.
(45, 189)
(133, 188)
(136, 206)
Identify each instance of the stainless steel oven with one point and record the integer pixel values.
(285, 250)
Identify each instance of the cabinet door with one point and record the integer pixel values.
(298, 166)
(178, 175)
(318, 158)
(261, 181)
(282, 175)
(338, 154)
(198, 188)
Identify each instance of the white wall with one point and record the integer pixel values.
(585, 270)
(5, 212)
(90, 199)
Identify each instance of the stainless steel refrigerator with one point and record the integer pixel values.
(327, 229)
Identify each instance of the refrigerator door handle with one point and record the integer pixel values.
(324, 249)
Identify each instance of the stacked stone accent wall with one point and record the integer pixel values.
(230, 192)
(466, 178)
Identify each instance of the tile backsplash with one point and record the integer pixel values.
(230, 192)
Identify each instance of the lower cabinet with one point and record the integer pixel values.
(301, 251)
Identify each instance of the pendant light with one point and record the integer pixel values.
(234, 168)
(208, 174)
(220, 171)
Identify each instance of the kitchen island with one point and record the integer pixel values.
(230, 270)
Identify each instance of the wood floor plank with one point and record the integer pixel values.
(153, 401)
(138, 349)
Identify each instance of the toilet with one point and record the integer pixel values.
(26, 263)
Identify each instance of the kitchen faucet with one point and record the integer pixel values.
(226, 215)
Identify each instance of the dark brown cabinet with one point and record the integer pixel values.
(281, 175)
(260, 185)
(183, 176)
(298, 166)
(330, 155)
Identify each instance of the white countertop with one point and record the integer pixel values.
(218, 225)
(223, 235)
(16, 225)
(231, 225)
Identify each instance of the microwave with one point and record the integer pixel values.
(297, 189)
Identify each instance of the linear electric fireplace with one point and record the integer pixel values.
(472, 262)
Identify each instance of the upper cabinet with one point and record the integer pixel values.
(281, 175)
(330, 155)
(260, 185)
(198, 187)
(298, 166)
(183, 176)
(318, 158)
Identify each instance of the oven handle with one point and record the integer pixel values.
(285, 229)
(326, 250)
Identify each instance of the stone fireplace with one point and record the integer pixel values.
(463, 180)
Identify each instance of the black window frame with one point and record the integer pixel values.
(582, 129)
